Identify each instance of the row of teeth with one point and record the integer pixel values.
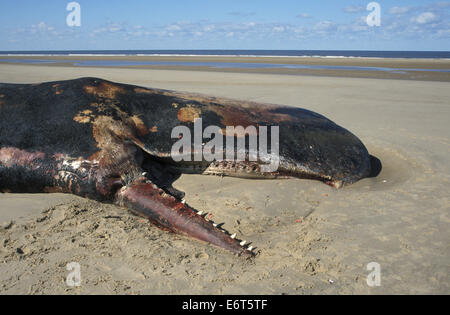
(202, 214)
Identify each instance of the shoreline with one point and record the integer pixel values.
(217, 56)
(402, 69)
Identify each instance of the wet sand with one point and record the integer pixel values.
(310, 238)
(423, 66)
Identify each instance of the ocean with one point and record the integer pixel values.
(259, 53)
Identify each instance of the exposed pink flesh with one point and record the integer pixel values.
(147, 200)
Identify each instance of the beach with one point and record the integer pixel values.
(376, 68)
(309, 238)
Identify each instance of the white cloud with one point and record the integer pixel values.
(425, 18)
(304, 16)
(173, 27)
(443, 33)
(114, 28)
(209, 28)
(42, 27)
(325, 26)
(278, 29)
(442, 4)
(241, 14)
(399, 10)
(354, 9)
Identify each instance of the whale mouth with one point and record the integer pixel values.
(164, 171)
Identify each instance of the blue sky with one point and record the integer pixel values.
(227, 24)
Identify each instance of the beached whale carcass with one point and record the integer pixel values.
(114, 142)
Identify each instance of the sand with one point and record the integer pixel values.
(310, 238)
(424, 69)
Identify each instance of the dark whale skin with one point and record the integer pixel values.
(101, 140)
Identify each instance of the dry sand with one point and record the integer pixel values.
(306, 232)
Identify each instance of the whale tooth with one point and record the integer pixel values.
(250, 248)
(243, 243)
(215, 224)
(200, 212)
(233, 236)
